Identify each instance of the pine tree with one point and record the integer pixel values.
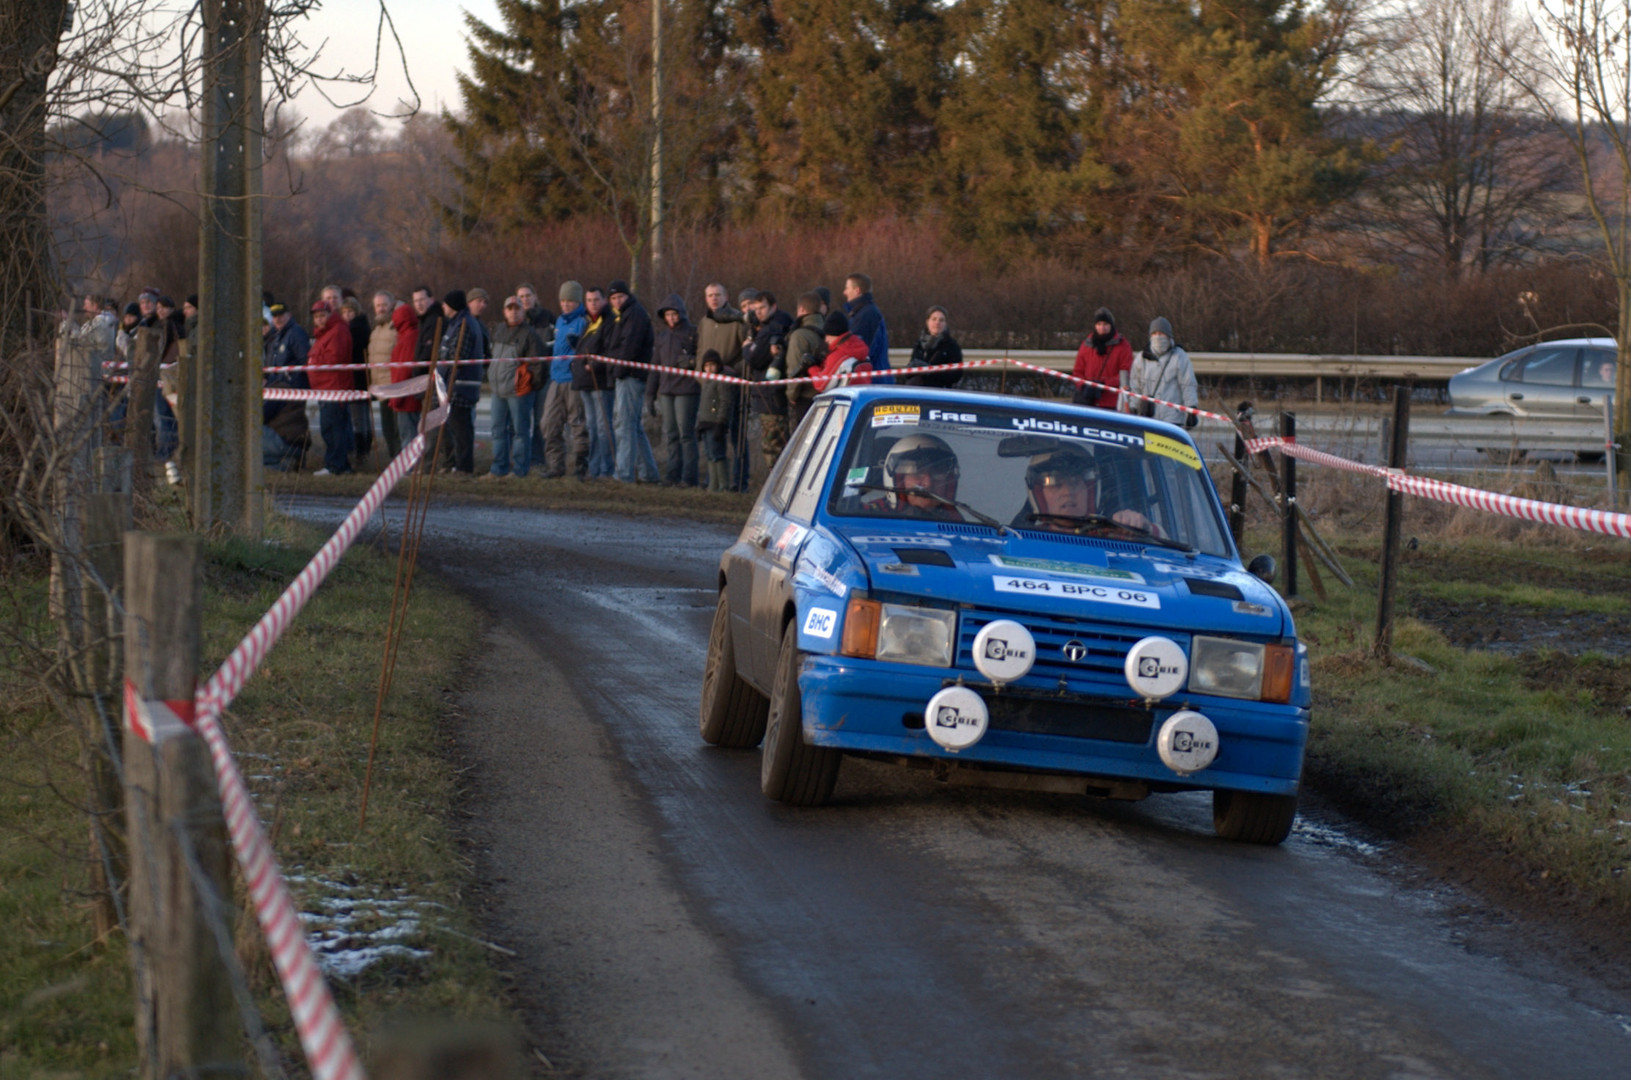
(1017, 163)
(1228, 120)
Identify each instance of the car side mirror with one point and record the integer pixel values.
(1264, 568)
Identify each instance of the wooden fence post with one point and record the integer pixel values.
(186, 1020)
(1396, 456)
(1288, 507)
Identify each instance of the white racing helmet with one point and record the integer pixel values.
(921, 455)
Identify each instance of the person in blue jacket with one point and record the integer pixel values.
(562, 406)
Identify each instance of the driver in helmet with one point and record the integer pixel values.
(1064, 481)
(917, 468)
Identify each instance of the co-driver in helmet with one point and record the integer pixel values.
(1064, 488)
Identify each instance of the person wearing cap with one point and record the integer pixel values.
(632, 339)
(561, 407)
(1104, 357)
(477, 300)
(1163, 371)
(1066, 491)
(514, 384)
(806, 349)
(847, 360)
(462, 341)
(325, 369)
(724, 330)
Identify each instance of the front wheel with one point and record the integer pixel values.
(733, 712)
(1252, 818)
(792, 771)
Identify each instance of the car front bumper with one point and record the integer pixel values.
(872, 707)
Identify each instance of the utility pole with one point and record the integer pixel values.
(656, 144)
(224, 385)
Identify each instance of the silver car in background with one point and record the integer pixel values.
(1555, 379)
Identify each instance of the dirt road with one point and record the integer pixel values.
(671, 923)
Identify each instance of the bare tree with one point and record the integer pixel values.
(1471, 179)
(1574, 65)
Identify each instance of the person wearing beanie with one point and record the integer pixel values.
(1104, 357)
(1163, 370)
(561, 407)
(462, 340)
(847, 362)
(826, 298)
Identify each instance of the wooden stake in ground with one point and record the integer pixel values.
(186, 1021)
(1288, 507)
(1396, 456)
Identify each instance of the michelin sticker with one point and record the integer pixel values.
(894, 415)
(1070, 569)
(1172, 448)
(1077, 590)
(820, 622)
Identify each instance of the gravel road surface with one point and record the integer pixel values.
(672, 923)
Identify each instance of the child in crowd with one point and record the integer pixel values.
(713, 417)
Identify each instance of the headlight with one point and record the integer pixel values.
(1240, 669)
(914, 635)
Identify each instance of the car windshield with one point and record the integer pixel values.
(1027, 469)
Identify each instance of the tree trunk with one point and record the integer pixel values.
(1622, 382)
(29, 30)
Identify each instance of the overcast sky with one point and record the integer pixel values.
(433, 43)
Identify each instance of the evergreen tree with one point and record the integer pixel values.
(1228, 117)
(1017, 161)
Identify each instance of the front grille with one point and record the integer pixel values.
(1075, 719)
(1104, 646)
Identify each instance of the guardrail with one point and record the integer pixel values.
(1247, 365)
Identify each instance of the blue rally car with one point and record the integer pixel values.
(1010, 593)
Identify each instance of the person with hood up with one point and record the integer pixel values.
(846, 363)
(462, 341)
(806, 348)
(325, 369)
(675, 395)
(764, 357)
(935, 348)
(713, 419)
(561, 407)
(631, 339)
(1105, 357)
(513, 385)
(1163, 371)
(406, 410)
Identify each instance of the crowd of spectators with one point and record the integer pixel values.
(556, 408)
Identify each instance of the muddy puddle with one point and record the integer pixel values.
(1509, 629)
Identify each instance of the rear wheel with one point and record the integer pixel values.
(733, 712)
(792, 771)
(1252, 818)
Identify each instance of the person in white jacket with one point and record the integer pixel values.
(1163, 371)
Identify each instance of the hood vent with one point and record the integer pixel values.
(924, 556)
(1207, 587)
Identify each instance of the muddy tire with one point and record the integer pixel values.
(792, 771)
(1252, 818)
(733, 712)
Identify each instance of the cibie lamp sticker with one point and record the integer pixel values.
(1156, 668)
(1004, 651)
(956, 718)
(1188, 742)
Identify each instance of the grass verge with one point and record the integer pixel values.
(387, 904)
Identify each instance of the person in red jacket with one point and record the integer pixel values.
(406, 322)
(1105, 357)
(330, 350)
(846, 363)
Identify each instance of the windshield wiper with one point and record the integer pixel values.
(1087, 520)
(982, 518)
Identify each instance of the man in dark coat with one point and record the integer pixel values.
(764, 356)
(675, 395)
(866, 321)
(806, 349)
(631, 339)
(461, 341)
(593, 381)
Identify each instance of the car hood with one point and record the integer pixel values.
(1132, 584)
